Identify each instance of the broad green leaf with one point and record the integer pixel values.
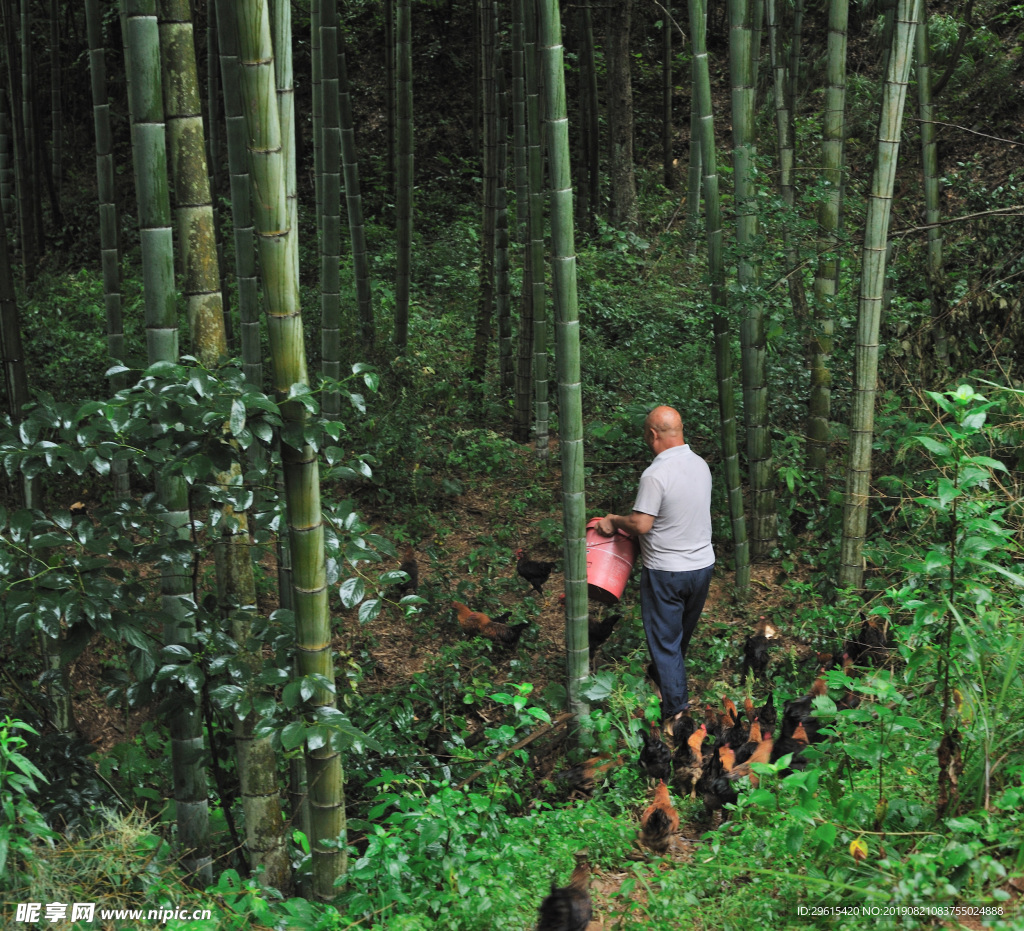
(368, 610)
(237, 419)
(352, 591)
(293, 735)
(940, 449)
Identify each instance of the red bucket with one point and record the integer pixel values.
(609, 563)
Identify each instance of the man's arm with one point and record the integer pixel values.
(635, 524)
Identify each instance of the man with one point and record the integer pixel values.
(672, 520)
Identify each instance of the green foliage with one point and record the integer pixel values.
(22, 823)
(960, 595)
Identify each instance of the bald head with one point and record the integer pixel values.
(663, 429)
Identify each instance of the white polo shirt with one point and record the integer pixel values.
(675, 490)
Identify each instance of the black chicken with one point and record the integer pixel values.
(655, 758)
(568, 908)
(535, 572)
(713, 785)
(599, 631)
(755, 649)
(794, 744)
(767, 714)
(871, 644)
(678, 731)
(800, 710)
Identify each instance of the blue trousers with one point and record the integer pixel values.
(671, 604)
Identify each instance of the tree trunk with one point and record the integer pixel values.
(716, 270)
(485, 302)
(298, 459)
(193, 205)
(621, 176)
(862, 416)
(826, 279)
(403, 200)
(524, 355)
(142, 49)
(784, 132)
(257, 767)
(932, 210)
(316, 56)
(667, 86)
(6, 165)
(695, 172)
(389, 89)
(567, 335)
(329, 203)
(752, 335)
(502, 285)
(535, 263)
(241, 208)
(110, 258)
(56, 113)
(590, 132)
(354, 206)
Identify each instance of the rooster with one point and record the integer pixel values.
(568, 908)
(536, 573)
(412, 569)
(475, 622)
(659, 821)
(689, 767)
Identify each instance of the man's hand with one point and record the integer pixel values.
(604, 526)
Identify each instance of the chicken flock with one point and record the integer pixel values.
(708, 759)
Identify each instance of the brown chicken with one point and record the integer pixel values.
(410, 567)
(582, 778)
(850, 699)
(475, 622)
(688, 772)
(746, 750)
(659, 821)
(762, 754)
(734, 731)
(535, 572)
(568, 908)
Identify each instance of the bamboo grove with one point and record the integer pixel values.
(275, 164)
